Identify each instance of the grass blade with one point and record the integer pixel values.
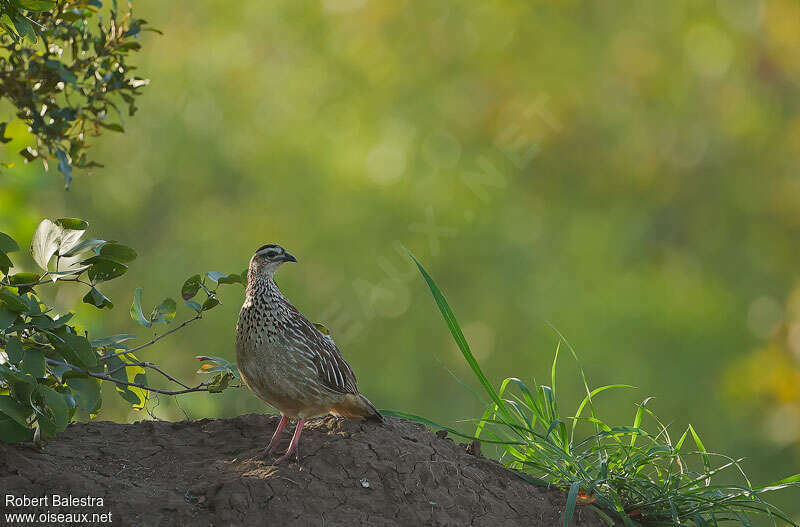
(433, 424)
(572, 500)
(637, 421)
(458, 336)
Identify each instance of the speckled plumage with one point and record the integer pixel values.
(289, 363)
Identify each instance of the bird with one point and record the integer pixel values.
(286, 360)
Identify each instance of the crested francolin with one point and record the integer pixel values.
(288, 361)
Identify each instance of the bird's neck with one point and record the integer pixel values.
(263, 291)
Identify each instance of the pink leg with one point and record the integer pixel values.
(293, 445)
(276, 437)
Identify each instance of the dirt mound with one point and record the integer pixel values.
(207, 473)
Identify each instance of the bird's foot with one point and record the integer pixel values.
(293, 445)
(269, 449)
(276, 437)
(286, 457)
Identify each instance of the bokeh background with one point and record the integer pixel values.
(628, 172)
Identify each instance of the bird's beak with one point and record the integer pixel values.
(288, 258)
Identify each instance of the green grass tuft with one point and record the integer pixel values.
(638, 474)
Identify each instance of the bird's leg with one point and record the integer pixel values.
(276, 437)
(293, 445)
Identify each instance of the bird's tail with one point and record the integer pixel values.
(358, 406)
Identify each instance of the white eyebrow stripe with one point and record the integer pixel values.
(264, 251)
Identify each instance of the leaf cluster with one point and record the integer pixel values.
(50, 367)
(64, 67)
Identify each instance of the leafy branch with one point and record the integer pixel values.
(75, 83)
(50, 367)
(202, 387)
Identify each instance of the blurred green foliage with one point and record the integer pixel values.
(67, 78)
(627, 172)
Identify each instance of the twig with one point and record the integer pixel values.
(202, 387)
(44, 282)
(155, 339)
(147, 365)
(112, 355)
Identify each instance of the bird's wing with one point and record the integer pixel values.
(333, 371)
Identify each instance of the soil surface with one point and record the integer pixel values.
(208, 472)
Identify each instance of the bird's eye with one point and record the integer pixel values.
(271, 254)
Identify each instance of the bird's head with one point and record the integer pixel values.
(268, 258)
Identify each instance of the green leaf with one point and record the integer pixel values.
(12, 301)
(15, 410)
(322, 329)
(118, 252)
(22, 385)
(97, 299)
(136, 309)
(233, 278)
(136, 374)
(224, 278)
(32, 305)
(20, 280)
(13, 432)
(220, 382)
(86, 391)
(5, 263)
(66, 393)
(210, 303)
(112, 340)
(164, 312)
(33, 363)
(37, 5)
(7, 317)
(24, 28)
(83, 246)
(59, 370)
(116, 127)
(80, 349)
(57, 405)
(214, 276)
(194, 305)
(24, 278)
(14, 350)
(73, 224)
(190, 287)
(103, 269)
(7, 243)
(44, 321)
